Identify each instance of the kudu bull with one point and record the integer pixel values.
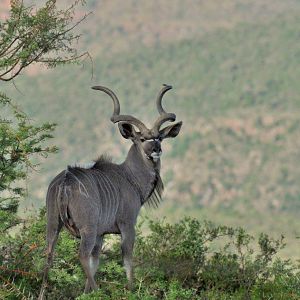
(106, 197)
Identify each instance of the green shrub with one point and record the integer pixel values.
(186, 260)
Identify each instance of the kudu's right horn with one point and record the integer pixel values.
(116, 117)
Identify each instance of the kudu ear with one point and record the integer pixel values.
(127, 130)
(170, 131)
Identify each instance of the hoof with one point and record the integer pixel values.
(88, 288)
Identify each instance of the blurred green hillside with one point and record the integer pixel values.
(235, 70)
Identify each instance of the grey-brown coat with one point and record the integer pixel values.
(106, 197)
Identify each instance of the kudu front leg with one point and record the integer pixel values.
(128, 237)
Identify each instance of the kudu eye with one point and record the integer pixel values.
(142, 139)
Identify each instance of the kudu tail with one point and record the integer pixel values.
(63, 200)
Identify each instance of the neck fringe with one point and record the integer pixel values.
(155, 196)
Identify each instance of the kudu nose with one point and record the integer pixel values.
(157, 147)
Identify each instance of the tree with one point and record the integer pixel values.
(30, 35)
(44, 35)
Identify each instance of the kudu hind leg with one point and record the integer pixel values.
(87, 244)
(94, 259)
(128, 236)
(53, 229)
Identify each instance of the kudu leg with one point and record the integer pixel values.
(94, 260)
(87, 244)
(53, 229)
(127, 243)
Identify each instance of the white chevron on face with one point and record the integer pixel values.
(156, 156)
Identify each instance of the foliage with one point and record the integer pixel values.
(20, 141)
(44, 35)
(202, 264)
(186, 260)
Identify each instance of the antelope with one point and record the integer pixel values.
(106, 198)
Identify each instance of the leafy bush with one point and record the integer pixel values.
(20, 144)
(187, 260)
(204, 257)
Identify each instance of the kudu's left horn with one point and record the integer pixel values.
(164, 116)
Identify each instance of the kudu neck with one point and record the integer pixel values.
(141, 170)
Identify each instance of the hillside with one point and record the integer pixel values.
(235, 70)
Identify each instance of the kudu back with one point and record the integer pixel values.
(106, 197)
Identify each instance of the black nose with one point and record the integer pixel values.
(157, 147)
